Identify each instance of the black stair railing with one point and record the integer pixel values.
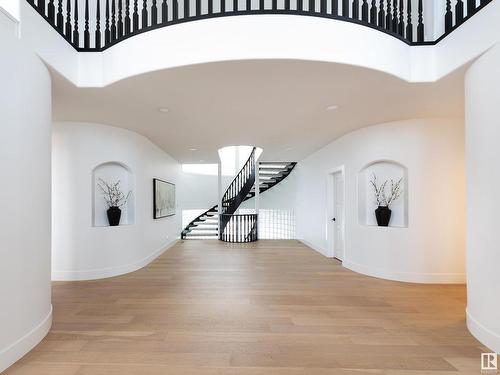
(236, 194)
(393, 17)
(240, 228)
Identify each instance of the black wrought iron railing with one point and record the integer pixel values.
(240, 228)
(107, 22)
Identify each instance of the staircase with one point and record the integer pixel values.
(206, 226)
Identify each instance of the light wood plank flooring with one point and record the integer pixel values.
(273, 307)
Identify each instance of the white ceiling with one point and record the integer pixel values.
(279, 105)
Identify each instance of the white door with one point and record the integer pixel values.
(337, 218)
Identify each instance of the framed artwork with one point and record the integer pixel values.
(163, 199)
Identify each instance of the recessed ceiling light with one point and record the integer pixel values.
(193, 149)
(163, 110)
(332, 107)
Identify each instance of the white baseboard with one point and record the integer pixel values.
(18, 349)
(320, 250)
(483, 334)
(409, 277)
(110, 271)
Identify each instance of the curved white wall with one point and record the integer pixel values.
(432, 247)
(482, 92)
(81, 250)
(25, 116)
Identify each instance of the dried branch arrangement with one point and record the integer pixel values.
(112, 193)
(381, 197)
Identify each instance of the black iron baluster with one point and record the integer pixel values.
(420, 27)
(135, 17)
(459, 12)
(107, 32)
(113, 20)
(86, 32)
(187, 5)
(210, 9)
(120, 20)
(76, 34)
(364, 11)
(409, 24)
(448, 17)
(373, 12)
(381, 14)
(471, 7)
(355, 9)
(154, 13)
(41, 7)
(51, 11)
(197, 11)
(335, 7)
(175, 10)
(235, 5)
(312, 5)
(127, 17)
(144, 14)
(394, 16)
(300, 5)
(322, 6)
(59, 17)
(164, 11)
(345, 8)
(287, 5)
(388, 16)
(401, 25)
(98, 25)
(67, 31)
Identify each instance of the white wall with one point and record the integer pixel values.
(431, 248)
(82, 251)
(25, 115)
(482, 92)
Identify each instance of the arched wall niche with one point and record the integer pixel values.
(384, 170)
(111, 172)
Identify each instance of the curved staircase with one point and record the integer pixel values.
(206, 225)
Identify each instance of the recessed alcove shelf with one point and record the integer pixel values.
(384, 170)
(111, 172)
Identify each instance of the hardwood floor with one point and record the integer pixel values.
(272, 307)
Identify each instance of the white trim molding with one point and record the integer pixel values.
(483, 334)
(19, 348)
(319, 249)
(103, 273)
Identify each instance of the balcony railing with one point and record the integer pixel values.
(115, 20)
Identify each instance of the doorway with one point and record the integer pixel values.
(336, 213)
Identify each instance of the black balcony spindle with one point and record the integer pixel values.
(107, 32)
(175, 10)
(210, 8)
(373, 12)
(287, 5)
(448, 17)
(164, 12)
(335, 7)
(98, 25)
(113, 20)
(59, 17)
(67, 27)
(76, 34)
(51, 11)
(364, 11)
(459, 12)
(345, 8)
(409, 24)
(401, 25)
(144, 14)
(388, 16)
(120, 19)
(420, 26)
(135, 17)
(274, 4)
(394, 16)
(197, 10)
(187, 7)
(355, 9)
(127, 18)
(154, 13)
(381, 14)
(41, 6)
(86, 32)
(471, 7)
(322, 6)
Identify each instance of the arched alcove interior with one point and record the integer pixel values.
(384, 170)
(111, 172)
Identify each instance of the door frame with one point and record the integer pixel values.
(330, 235)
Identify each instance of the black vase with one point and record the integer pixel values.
(383, 215)
(114, 215)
